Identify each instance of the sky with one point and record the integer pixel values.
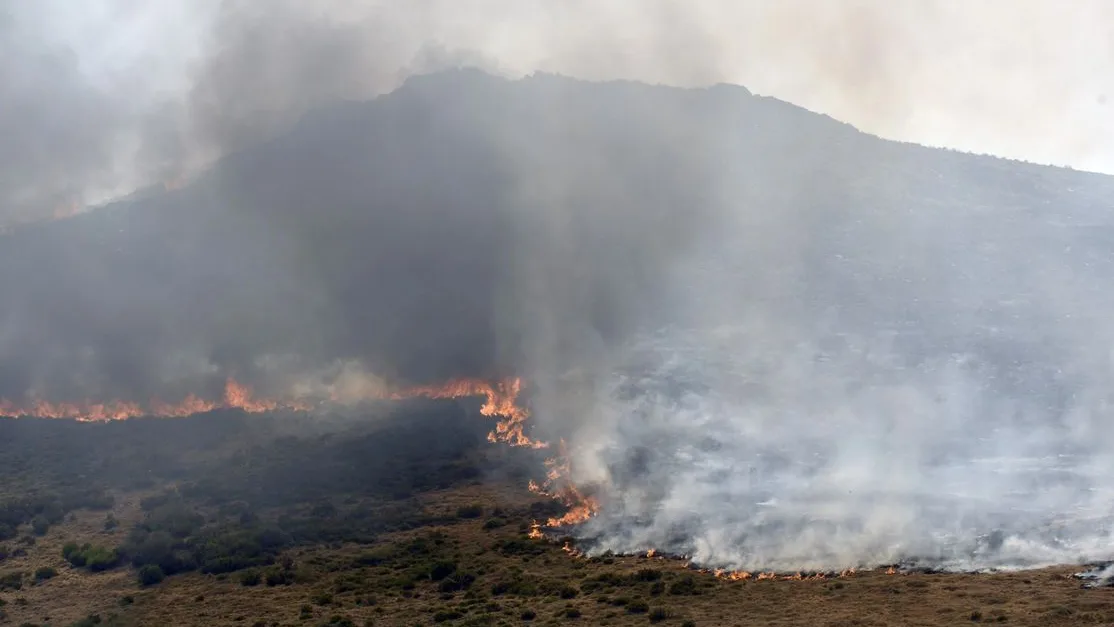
(100, 97)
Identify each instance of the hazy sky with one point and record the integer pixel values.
(104, 95)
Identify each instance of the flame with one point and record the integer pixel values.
(500, 402)
(559, 486)
(236, 396)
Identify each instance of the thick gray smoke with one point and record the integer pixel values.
(771, 340)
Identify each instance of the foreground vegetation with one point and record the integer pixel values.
(227, 519)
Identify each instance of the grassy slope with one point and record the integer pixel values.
(399, 575)
(340, 582)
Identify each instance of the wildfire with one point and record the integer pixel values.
(236, 396)
(558, 486)
(500, 403)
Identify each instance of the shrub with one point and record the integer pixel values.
(685, 585)
(529, 615)
(638, 607)
(250, 578)
(95, 558)
(40, 525)
(470, 511)
(110, 522)
(445, 615)
(457, 581)
(149, 575)
(440, 570)
(657, 588)
(689, 623)
(572, 612)
(658, 614)
(647, 574)
(11, 581)
(44, 573)
(494, 523)
(99, 558)
(278, 577)
(568, 592)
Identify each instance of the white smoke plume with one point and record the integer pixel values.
(841, 405)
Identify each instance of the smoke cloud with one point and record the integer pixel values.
(772, 342)
(116, 95)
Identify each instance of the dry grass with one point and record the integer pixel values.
(334, 587)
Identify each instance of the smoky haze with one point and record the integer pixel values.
(771, 340)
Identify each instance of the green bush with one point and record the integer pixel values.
(637, 607)
(150, 574)
(95, 558)
(528, 615)
(658, 614)
(44, 573)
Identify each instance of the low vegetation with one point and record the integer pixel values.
(368, 527)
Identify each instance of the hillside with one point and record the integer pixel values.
(717, 300)
(465, 224)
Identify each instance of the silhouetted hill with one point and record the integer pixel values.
(467, 224)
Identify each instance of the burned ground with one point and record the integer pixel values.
(406, 518)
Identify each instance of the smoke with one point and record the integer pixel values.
(117, 95)
(929, 390)
(771, 341)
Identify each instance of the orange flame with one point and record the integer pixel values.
(581, 506)
(236, 396)
(501, 403)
